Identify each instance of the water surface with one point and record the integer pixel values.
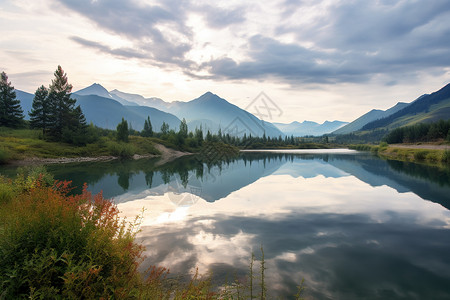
(352, 225)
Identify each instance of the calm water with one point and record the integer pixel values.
(352, 225)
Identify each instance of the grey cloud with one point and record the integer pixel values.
(353, 40)
(120, 52)
(288, 61)
(362, 39)
(220, 18)
(141, 24)
(146, 27)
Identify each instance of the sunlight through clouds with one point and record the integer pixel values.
(347, 56)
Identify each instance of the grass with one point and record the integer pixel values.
(429, 156)
(18, 144)
(56, 245)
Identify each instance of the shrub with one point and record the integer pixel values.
(420, 155)
(55, 245)
(4, 155)
(446, 156)
(375, 149)
(122, 150)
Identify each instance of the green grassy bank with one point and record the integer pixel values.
(19, 144)
(419, 155)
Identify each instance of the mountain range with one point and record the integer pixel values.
(309, 128)
(427, 108)
(210, 112)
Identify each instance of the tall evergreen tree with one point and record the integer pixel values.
(11, 113)
(122, 131)
(164, 128)
(148, 130)
(183, 129)
(199, 135)
(62, 106)
(40, 113)
(75, 131)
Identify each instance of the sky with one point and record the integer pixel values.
(315, 60)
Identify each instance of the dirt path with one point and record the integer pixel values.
(432, 147)
(168, 154)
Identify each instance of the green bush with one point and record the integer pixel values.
(420, 155)
(446, 156)
(72, 247)
(374, 149)
(122, 150)
(383, 146)
(4, 155)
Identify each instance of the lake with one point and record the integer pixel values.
(352, 225)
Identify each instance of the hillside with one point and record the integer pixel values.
(371, 116)
(427, 108)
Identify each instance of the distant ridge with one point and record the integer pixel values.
(309, 128)
(99, 90)
(426, 108)
(107, 113)
(135, 98)
(371, 116)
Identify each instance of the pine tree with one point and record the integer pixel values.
(199, 135)
(75, 131)
(148, 130)
(122, 131)
(164, 128)
(40, 113)
(61, 105)
(183, 129)
(11, 113)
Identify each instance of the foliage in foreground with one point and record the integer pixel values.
(59, 246)
(55, 244)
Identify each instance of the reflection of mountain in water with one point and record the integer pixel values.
(130, 180)
(401, 176)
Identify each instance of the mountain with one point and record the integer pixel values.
(222, 115)
(107, 113)
(426, 108)
(309, 128)
(371, 116)
(211, 113)
(135, 98)
(99, 90)
(26, 101)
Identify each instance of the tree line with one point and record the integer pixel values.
(422, 132)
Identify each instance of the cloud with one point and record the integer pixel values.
(301, 41)
(119, 52)
(147, 27)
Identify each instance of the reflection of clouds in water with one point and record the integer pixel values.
(346, 238)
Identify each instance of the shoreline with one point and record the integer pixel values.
(167, 154)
